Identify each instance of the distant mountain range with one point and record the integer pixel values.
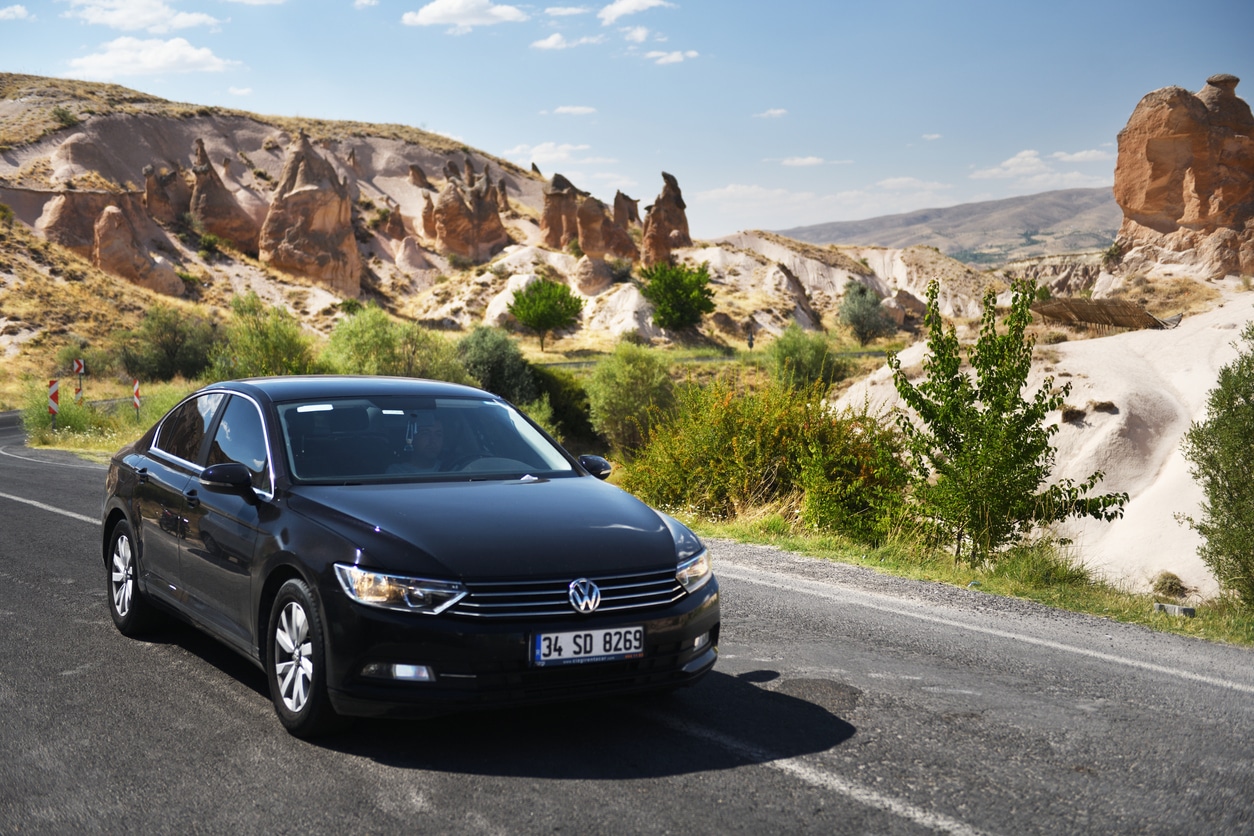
(991, 233)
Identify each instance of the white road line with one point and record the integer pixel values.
(820, 590)
(52, 508)
(819, 778)
(84, 466)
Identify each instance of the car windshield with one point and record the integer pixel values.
(398, 438)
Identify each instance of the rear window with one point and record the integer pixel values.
(397, 438)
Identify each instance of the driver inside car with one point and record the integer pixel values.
(424, 443)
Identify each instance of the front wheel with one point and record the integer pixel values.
(132, 614)
(296, 662)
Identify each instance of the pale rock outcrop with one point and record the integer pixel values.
(409, 256)
(592, 276)
(309, 229)
(216, 209)
(69, 218)
(558, 220)
(1185, 180)
(467, 222)
(394, 226)
(502, 197)
(117, 249)
(665, 224)
(905, 309)
(598, 235)
(156, 198)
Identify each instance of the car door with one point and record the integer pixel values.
(165, 475)
(223, 526)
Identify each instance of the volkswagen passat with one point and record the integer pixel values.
(395, 547)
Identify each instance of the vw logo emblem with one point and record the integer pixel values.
(584, 595)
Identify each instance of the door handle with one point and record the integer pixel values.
(192, 499)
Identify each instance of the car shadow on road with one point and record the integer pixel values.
(721, 723)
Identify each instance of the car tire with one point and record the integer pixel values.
(132, 613)
(296, 663)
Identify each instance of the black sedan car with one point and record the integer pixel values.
(395, 547)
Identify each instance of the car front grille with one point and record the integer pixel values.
(549, 598)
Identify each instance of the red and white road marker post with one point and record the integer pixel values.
(80, 369)
(54, 402)
(135, 399)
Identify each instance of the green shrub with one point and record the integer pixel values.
(64, 117)
(802, 358)
(679, 294)
(860, 309)
(371, 342)
(627, 391)
(544, 306)
(493, 359)
(262, 340)
(1218, 451)
(568, 402)
(980, 451)
(6, 216)
(98, 362)
(167, 343)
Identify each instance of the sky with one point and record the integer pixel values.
(771, 115)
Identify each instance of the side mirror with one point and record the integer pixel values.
(228, 477)
(596, 465)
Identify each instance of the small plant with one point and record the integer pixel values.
(627, 391)
(620, 269)
(574, 249)
(801, 359)
(6, 216)
(860, 309)
(210, 247)
(64, 117)
(460, 262)
(544, 306)
(1112, 256)
(680, 295)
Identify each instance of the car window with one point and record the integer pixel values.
(241, 438)
(182, 432)
(388, 438)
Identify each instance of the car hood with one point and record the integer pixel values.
(494, 529)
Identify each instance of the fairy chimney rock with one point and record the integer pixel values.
(418, 177)
(665, 223)
(213, 205)
(309, 229)
(558, 219)
(626, 210)
(117, 249)
(467, 222)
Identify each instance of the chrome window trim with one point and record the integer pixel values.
(197, 469)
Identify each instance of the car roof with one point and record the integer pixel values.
(300, 387)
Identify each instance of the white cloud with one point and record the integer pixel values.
(636, 34)
(1090, 156)
(15, 13)
(911, 184)
(259, 2)
(240, 91)
(675, 57)
(565, 11)
(132, 56)
(931, 137)
(364, 4)
(152, 16)
(463, 15)
(1023, 164)
(575, 110)
(772, 113)
(546, 153)
(801, 161)
(622, 8)
(557, 41)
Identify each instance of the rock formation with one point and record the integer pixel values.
(309, 228)
(502, 198)
(598, 235)
(467, 222)
(1185, 179)
(418, 177)
(665, 223)
(156, 198)
(394, 226)
(592, 276)
(216, 209)
(118, 250)
(626, 211)
(558, 220)
(428, 217)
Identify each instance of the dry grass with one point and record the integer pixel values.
(1167, 297)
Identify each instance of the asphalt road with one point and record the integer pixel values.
(843, 702)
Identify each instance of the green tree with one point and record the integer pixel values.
(679, 294)
(369, 341)
(262, 340)
(545, 306)
(979, 449)
(166, 343)
(493, 359)
(627, 392)
(1218, 450)
(801, 358)
(860, 309)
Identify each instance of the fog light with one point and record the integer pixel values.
(407, 673)
(700, 641)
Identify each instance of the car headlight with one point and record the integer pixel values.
(694, 572)
(397, 592)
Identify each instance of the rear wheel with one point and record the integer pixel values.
(131, 611)
(296, 662)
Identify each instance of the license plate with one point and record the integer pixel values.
(578, 646)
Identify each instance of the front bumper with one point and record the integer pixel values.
(480, 663)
